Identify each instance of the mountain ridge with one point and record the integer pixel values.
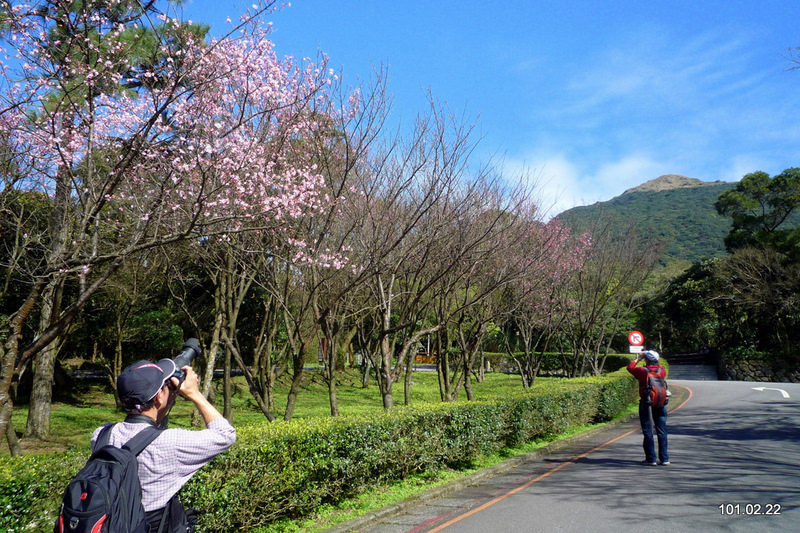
(668, 182)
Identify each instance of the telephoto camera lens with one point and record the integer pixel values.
(191, 349)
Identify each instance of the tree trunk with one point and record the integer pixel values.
(455, 387)
(207, 380)
(38, 424)
(227, 410)
(330, 374)
(298, 360)
(442, 369)
(211, 356)
(386, 396)
(332, 396)
(470, 348)
(481, 374)
(367, 362)
(468, 380)
(266, 372)
(268, 375)
(116, 367)
(385, 378)
(11, 437)
(332, 366)
(8, 432)
(9, 356)
(407, 381)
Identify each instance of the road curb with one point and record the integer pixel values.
(474, 478)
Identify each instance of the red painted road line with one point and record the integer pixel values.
(531, 482)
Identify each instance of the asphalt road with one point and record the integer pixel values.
(735, 455)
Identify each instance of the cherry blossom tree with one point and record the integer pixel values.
(174, 152)
(485, 239)
(326, 269)
(538, 302)
(603, 292)
(300, 270)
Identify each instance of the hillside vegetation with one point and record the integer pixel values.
(674, 210)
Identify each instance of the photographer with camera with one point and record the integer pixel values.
(148, 391)
(653, 397)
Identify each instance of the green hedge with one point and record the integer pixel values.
(287, 469)
(554, 361)
(31, 488)
(615, 361)
(550, 361)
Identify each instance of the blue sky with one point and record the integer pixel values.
(590, 98)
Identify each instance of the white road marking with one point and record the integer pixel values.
(762, 389)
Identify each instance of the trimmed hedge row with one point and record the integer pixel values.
(553, 361)
(288, 469)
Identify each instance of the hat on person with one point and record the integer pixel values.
(651, 355)
(142, 380)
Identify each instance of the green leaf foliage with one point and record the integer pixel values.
(764, 211)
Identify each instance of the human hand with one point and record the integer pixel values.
(190, 389)
(191, 383)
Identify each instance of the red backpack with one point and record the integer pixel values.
(655, 392)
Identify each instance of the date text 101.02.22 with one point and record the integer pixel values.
(751, 509)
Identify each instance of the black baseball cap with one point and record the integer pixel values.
(142, 380)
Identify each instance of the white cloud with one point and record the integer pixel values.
(617, 176)
(648, 72)
(562, 183)
(553, 177)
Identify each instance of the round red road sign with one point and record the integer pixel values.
(635, 338)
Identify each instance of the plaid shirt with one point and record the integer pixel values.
(173, 457)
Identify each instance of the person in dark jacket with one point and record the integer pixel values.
(651, 417)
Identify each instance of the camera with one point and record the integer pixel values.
(191, 349)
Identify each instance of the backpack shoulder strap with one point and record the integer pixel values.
(104, 437)
(141, 440)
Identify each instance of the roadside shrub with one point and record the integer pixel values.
(288, 469)
(747, 353)
(615, 361)
(31, 487)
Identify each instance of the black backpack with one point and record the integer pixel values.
(656, 393)
(106, 494)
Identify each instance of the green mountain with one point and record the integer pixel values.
(673, 210)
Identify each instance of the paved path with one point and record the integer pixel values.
(735, 452)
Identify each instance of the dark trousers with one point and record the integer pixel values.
(659, 420)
